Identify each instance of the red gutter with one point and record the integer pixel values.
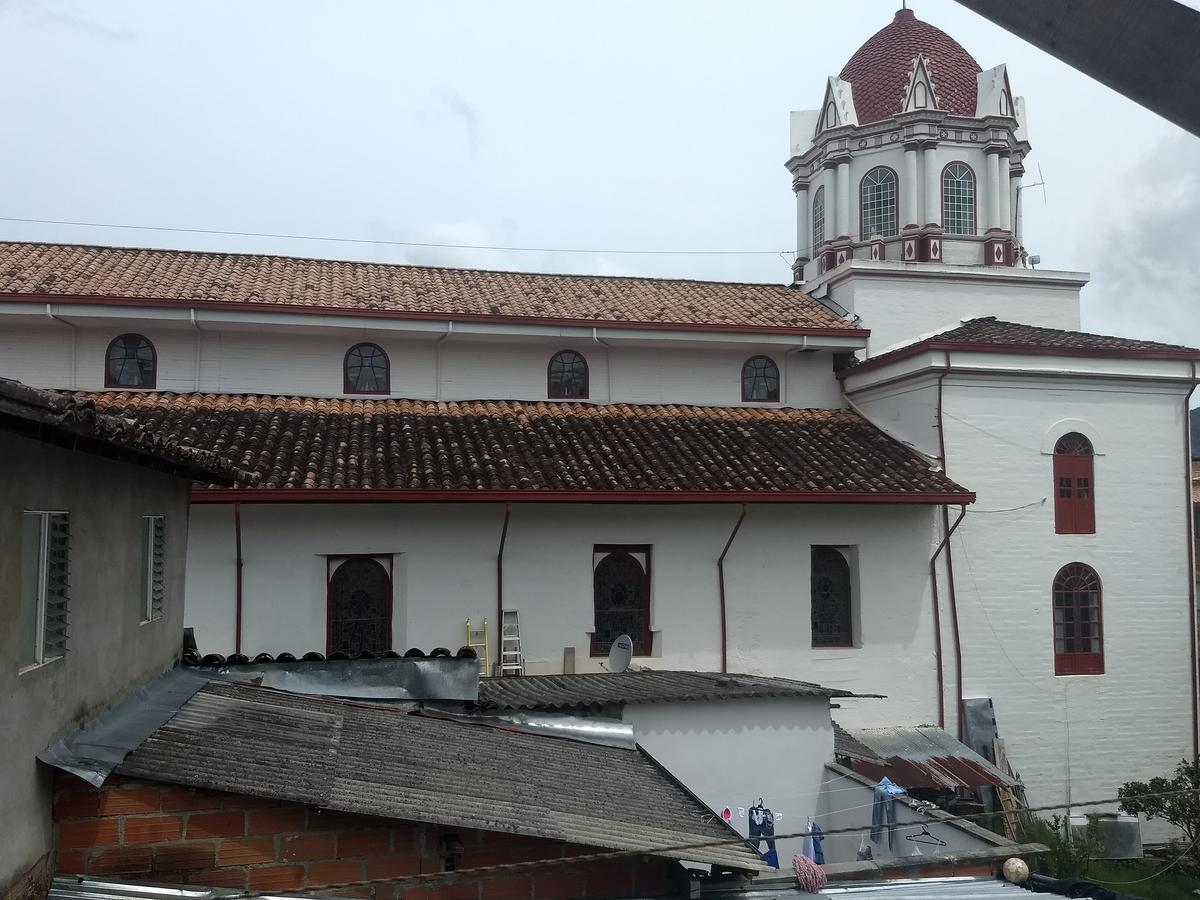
(313, 309)
(389, 495)
(1191, 567)
(958, 666)
(721, 584)
(237, 538)
(500, 585)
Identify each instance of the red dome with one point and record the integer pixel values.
(880, 69)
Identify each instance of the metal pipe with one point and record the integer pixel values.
(721, 585)
(437, 361)
(74, 342)
(607, 362)
(237, 538)
(500, 583)
(1191, 536)
(196, 327)
(958, 663)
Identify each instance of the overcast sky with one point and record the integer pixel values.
(617, 125)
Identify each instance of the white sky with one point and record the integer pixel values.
(539, 123)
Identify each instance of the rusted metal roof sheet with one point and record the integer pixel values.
(380, 761)
(598, 689)
(925, 757)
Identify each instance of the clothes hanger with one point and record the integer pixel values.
(926, 838)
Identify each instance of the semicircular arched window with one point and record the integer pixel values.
(621, 596)
(130, 362)
(760, 380)
(878, 193)
(818, 219)
(567, 376)
(832, 624)
(1074, 485)
(958, 199)
(367, 370)
(359, 606)
(1078, 625)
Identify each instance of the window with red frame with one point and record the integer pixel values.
(1074, 485)
(1078, 623)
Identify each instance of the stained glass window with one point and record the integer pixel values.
(367, 370)
(878, 203)
(130, 362)
(621, 594)
(831, 600)
(567, 376)
(360, 607)
(760, 380)
(958, 199)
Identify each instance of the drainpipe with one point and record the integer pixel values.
(937, 617)
(74, 341)
(721, 585)
(196, 328)
(1187, 456)
(437, 360)
(958, 667)
(237, 538)
(500, 583)
(607, 361)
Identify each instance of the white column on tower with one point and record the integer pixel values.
(992, 192)
(933, 185)
(1014, 183)
(803, 220)
(843, 198)
(1004, 194)
(910, 215)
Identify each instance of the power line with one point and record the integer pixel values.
(428, 244)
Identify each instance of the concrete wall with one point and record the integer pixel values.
(731, 753)
(308, 362)
(109, 649)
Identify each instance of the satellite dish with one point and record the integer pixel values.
(620, 654)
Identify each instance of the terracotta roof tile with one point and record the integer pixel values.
(188, 277)
(511, 446)
(879, 70)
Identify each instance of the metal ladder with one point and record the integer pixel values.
(477, 640)
(512, 661)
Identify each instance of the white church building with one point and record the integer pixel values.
(907, 473)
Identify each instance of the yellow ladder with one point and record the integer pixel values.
(477, 640)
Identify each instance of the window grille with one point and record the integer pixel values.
(760, 380)
(153, 550)
(1078, 632)
(359, 606)
(567, 376)
(131, 362)
(621, 597)
(367, 370)
(818, 219)
(832, 624)
(878, 203)
(958, 199)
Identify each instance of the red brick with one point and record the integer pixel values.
(277, 878)
(653, 877)
(231, 878)
(468, 890)
(303, 847)
(184, 800)
(222, 824)
(242, 801)
(130, 801)
(335, 820)
(87, 833)
(248, 852)
(614, 881)
(71, 862)
(404, 840)
(547, 887)
(381, 868)
(77, 805)
(339, 872)
(122, 861)
(508, 889)
(276, 821)
(152, 829)
(363, 843)
(185, 857)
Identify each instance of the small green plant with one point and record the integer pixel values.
(1070, 852)
(1178, 803)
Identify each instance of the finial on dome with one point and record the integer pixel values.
(904, 12)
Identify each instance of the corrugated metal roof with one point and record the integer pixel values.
(378, 761)
(845, 744)
(603, 688)
(926, 757)
(954, 888)
(76, 887)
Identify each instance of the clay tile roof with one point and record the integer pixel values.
(176, 277)
(499, 446)
(77, 423)
(879, 70)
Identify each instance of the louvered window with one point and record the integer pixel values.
(153, 547)
(45, 546)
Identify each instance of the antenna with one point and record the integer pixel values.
(621, 653)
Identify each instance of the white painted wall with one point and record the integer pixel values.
(730, 753)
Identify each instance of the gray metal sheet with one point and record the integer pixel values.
(76, 887)
(403, 678)
(954, 888)
(375, 760)
(926, 756)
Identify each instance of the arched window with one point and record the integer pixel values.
(130, 362)
(830, 115)
(1005, 104)
(878, 192)
(831, 600)
(567, 376)
(958, 199)
(360, 606)
(760, 380)
(1074, 485)
(1078, 624)
(621, 594)
(818, 219)
(920, 96)
(367, 370)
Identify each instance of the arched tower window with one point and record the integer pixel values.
(831, 599)
(367, 370)
(1005, 104)
(567, 376)
(958, 199)
(818, 219)
(360, 607)
(878, 191)
(130, 362)
(621, 595)
(1078, 624)
(920, 96)
(760, 380)
(1074, 485)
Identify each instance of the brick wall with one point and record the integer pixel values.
(152, 832)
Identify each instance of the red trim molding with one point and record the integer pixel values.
(388, 495)
(314, 310)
